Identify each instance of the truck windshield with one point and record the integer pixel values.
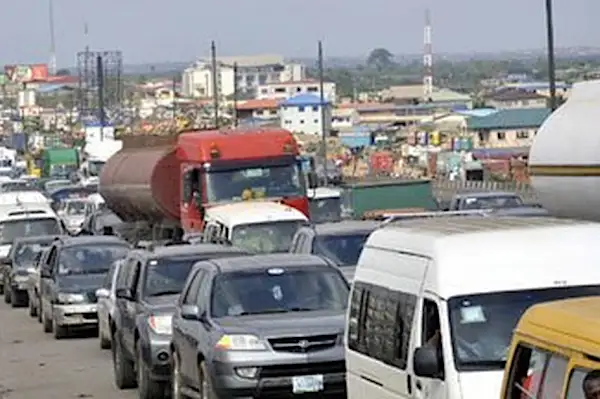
(63, 171)
(482, 324)
(94, 167)
(325, 209)
(269, 237)
(11, 229)
(255, 182)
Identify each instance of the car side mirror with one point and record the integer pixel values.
(426, 362)
(124, 293)
(313, 180)
(191, 312)
(102, 293)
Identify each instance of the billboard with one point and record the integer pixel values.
(26, 73)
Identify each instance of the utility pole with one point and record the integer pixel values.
(213, 56)
(323, 109)
(551, 63)
(235, 94)
(101, 113)
(52, 64)
(174, 87)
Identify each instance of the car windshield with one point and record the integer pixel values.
(482, 324)
(11, 229)
(26, 253)
(255, 182)
(325, 210)
(492, 202)
(265, 237)
(166, 276)
(278, 290)
(89, 259)
(75, 208)
(344, 249)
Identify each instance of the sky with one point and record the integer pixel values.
(181, 30)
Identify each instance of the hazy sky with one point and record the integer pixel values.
(181, 30)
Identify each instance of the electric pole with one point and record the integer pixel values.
(324, 123)
(235, 95)
(213, 56)
(551, 63)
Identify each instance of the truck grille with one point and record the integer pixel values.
(291, 370)
(303, 344)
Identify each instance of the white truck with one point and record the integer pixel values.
(96, 154)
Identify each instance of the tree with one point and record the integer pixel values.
(380, 59)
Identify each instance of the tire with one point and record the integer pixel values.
(7, 297)
(104, 342)
(206, 389)
(123, 368)
(147, 387)
(32, 308)
(176, 379)
(39, 309)
(14, 298)
(1, 289)
(46, 322)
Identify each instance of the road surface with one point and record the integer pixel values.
(35, 365)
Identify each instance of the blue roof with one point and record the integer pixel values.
(303, 100)
(477, 112)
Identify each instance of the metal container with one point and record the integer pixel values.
(143, 184)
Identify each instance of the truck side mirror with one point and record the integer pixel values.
(313, 180)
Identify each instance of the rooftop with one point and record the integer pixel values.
(295, 82)
(514, 94)
(303, 100)
(257, 104)
(516, 118)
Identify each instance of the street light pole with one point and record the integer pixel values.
(551, 63)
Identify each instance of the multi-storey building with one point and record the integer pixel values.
(285, 90)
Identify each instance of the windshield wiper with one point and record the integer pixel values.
(265, 311)
(166, 292)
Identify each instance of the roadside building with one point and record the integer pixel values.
(509, 97)
(302, 114)
(285, 90)
(258, 109)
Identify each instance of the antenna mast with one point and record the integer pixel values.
(427, 59)
(52, 63)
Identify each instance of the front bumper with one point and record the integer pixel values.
(279, 378)
(156, 355)
(84, 315)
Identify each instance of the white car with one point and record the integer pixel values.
(106, 303)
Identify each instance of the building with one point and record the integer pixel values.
(344, 118)
(509, 97)
(507, 128)
(285, 90)
(252, 71)
(258, 109)
(302, 114)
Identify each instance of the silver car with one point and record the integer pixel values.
(72, 212)
(33, 286)
(106, 303)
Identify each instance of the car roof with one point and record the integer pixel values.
(29, 197)
(260, 262)
(190, 250)
(68, 241)
(36, 239)
(251, 212)
(345, 227)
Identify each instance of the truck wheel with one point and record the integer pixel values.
(123, 368)
(147, 387)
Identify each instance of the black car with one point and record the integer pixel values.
(341, 242)
(148, 286)
(74, 269)
(22, 257)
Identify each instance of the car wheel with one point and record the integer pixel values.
(32, 309)
(1, 289)
(46, 322)
(104, 341)
(38, 309)
(14, 298)
(206, 389)
(123, 368)
(147, 387)
(176, 379)
(7, 295)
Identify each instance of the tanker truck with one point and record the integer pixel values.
(564, 160)
(171, 181)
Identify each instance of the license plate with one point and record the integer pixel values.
(307, 383)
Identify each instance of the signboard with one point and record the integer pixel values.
(26, 73)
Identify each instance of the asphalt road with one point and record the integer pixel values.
(35, 365)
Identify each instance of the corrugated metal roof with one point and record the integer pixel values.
(509, 119)
(303, 100)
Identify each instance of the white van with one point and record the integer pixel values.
(259, 226)
(434, 301)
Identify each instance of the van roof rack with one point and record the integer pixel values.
(390, 218)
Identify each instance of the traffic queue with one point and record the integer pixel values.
(264, 302)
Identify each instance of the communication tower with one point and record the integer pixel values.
(427, 59)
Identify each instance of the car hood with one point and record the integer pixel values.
(162, 304)
(80, 282)
(285, 324)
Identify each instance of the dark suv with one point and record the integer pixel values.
(148, 286)
(73, 270)
(264, 326)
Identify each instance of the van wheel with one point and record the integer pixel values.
(147, 387)
(123, 368)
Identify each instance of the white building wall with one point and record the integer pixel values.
(283, 91)
(197, 81)
(305, 119)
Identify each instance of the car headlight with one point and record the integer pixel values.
(241, 342)
(70, 298)
(161, 324)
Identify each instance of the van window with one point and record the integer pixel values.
(536, 373)
(582, 382)
(380, 322)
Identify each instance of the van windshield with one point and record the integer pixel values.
(482, 324)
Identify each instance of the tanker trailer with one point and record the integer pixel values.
(140, 183)
(564, 160)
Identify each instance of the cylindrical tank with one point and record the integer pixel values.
(564, 161)
(142, 184)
